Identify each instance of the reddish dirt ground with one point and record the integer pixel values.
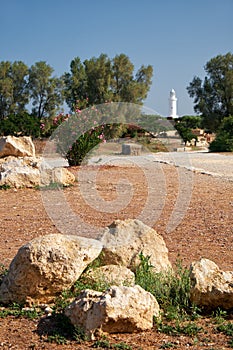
(205, 231)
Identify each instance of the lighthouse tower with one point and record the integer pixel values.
(172, 105)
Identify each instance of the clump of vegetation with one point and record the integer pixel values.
(224, 138)
(171, 288)
(18, 310)
(5, 187)
(104, 343)
(53, 186)
(172, 291)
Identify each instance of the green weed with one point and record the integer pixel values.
(18, 311)
(99, 284)
(230, 343)
(189, 329)
(5, 187)
(171, 288)
(226, 328)
(219, 315)
(168, 345)
(57, 338)
(104, 343)
(52, 186)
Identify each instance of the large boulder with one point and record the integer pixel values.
(111, 275)
(16, 146)
(210, 286)
(118, 310)
(19, 172)
(27, 172)
(46, 266)
(123, 241)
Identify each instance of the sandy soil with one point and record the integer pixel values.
(206, 230)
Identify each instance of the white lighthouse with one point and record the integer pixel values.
(172, 105)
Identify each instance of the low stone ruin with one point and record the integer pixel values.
(132, 149)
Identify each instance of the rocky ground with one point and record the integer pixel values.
(204, 229)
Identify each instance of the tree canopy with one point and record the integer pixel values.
(213, 97)
(224, 138)
(45, 90)
(14, 93)
(184, 125)
(93, 81)
(99, 80)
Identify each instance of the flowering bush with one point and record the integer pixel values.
(48, 125)
(79, 133)
(83, 145)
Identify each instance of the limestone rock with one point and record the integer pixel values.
(16, 146)
(124, 240)
(211, 287)
(19, 172)
(118, 310)
(111, 275)
(26, 172)
(56, 175)
(46, 266)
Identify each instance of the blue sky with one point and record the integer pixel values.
(176, 37)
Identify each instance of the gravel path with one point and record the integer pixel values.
(218, 165)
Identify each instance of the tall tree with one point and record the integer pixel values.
(213, 97)
(14, 93)
(45, 90)
(98, 72)
(98, 80)
(122, 78)
(75, 83)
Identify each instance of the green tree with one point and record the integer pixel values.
(75, 84)
(22, 124)
(100, 80)
(14, 94)
(98, 72)
(224, 138)
(122, 78)
(45, 90)
(184, 126)
(213, 97)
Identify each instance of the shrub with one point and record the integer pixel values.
(22, 124)
(224, 138)
(171, 288)
(83, 145)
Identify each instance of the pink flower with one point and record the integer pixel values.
(42, 126)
